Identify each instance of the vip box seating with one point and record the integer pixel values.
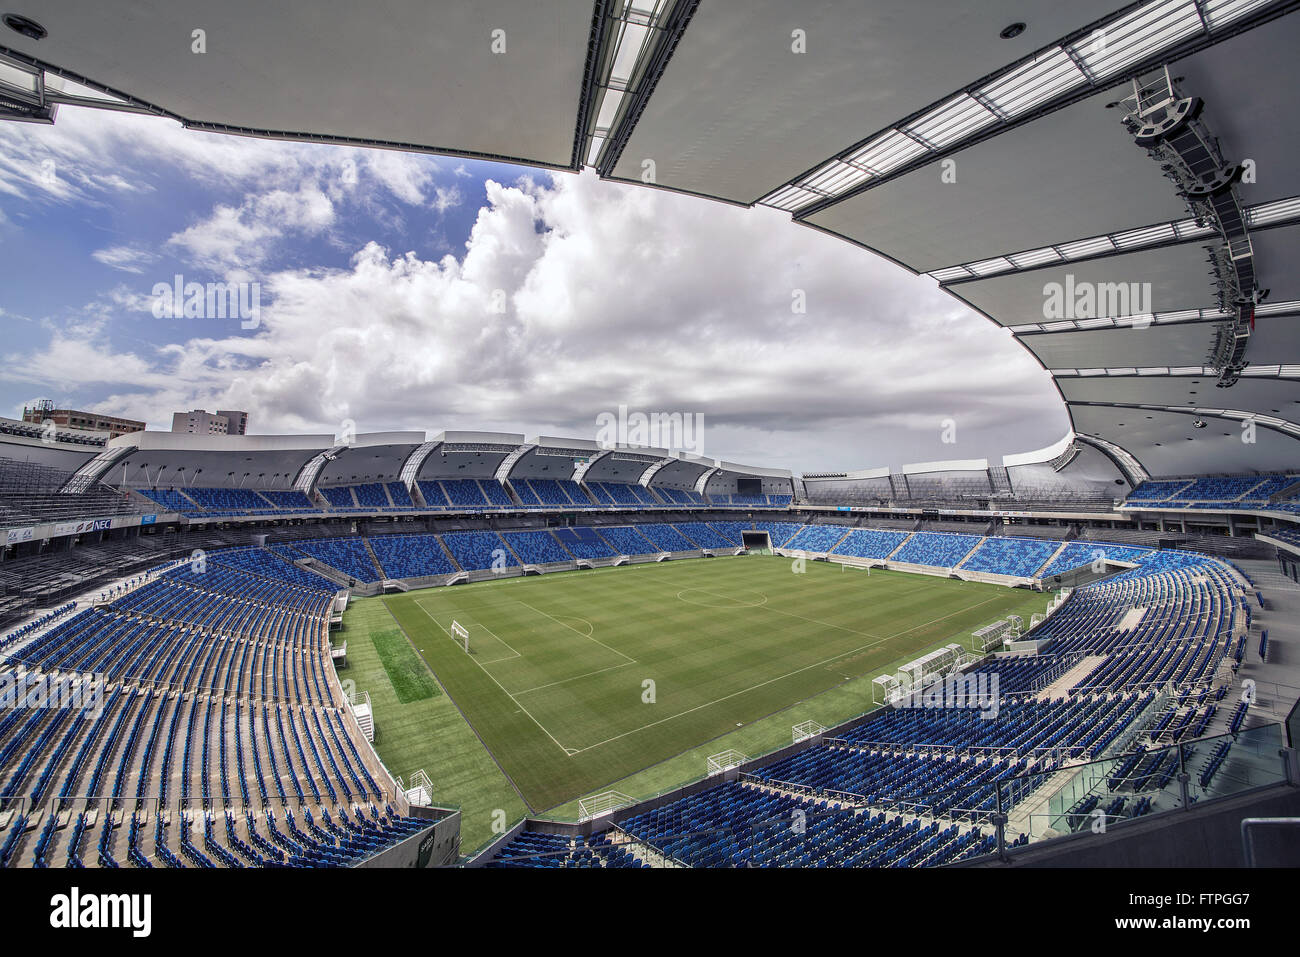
(474, 551)
(536, 547)
(870, 543)
(583, 542)
(411, 556)
(347, 555)
(752, 501)
(1010, 556)
(940, 549)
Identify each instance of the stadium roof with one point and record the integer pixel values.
(983, 144)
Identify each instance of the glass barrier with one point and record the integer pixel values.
(1000, 803)
(1098, 794)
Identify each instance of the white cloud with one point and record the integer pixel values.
(126, 258)
(445, 198)
(236, 239)
(611, 295)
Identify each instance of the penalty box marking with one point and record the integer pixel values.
(569, 752)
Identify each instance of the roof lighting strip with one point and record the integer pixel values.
(1068, 67)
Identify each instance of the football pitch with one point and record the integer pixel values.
(576, 680)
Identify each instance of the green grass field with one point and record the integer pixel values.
(627, 677)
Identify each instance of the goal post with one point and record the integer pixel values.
(460, 635)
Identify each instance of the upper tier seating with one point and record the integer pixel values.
(287, 499)
(338, 496)
(170, 499)
(561, 493)
(372, 495)
(398, 493)
(229, 499)
(1220, 493)
(622, 493)
(679, 496)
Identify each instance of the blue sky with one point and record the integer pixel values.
(411, 291)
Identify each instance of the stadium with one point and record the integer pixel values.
(486, 649)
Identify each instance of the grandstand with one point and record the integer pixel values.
(1138, 582)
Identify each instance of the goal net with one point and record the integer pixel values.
(460, 635)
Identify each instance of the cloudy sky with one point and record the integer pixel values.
(406, 291)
